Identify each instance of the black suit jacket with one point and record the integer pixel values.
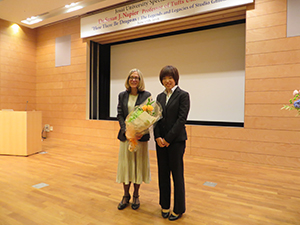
(172, 125)
(123, 112)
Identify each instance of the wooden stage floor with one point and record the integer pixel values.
(82, 190)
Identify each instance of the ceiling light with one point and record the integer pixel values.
(32, 20)
(15, 28)
(74, 8)
(71, 5)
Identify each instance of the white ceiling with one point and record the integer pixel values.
(49, 10)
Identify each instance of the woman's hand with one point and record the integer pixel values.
(160, 142)
(138, 136)
(166, 143)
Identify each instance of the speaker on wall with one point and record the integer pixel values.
(63, 51)
(293, 18)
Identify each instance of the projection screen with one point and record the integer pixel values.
(211, 65)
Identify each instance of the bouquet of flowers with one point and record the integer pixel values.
(140, 120)
(294, 102)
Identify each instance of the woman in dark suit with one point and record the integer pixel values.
(133, 167)
(170, 136)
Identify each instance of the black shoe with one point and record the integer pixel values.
(165, 214)
(135, 205)
(124, 205)
(173, 217)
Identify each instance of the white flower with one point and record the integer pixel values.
(295, 92)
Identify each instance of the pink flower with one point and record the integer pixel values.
(295, 92)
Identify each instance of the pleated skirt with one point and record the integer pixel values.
(133, 167)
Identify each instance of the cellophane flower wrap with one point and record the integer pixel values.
(294, 102)
(140, 120)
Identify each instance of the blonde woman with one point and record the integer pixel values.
(133, 167)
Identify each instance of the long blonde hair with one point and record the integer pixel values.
(141, 86)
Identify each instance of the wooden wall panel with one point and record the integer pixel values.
(281, 71)
(61, 91)
(274, 58)
(273, 123)
(272, 84)
(268, 110)
(272, 73)
(248, 157)
(253, 147)
(18, 67)
(0, 65)
(268, 20)
(263, 135)
(276, 45)
(267, 33)
(267, 97)
(266, 7)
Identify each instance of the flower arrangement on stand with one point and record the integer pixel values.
(294, 102)
(140, 120)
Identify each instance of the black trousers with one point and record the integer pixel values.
(170, 161)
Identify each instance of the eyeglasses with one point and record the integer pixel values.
(134, 78)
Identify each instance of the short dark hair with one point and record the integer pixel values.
(169, 71)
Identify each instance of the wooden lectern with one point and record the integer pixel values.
(20, 132)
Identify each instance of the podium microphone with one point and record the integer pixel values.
(26, 106)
